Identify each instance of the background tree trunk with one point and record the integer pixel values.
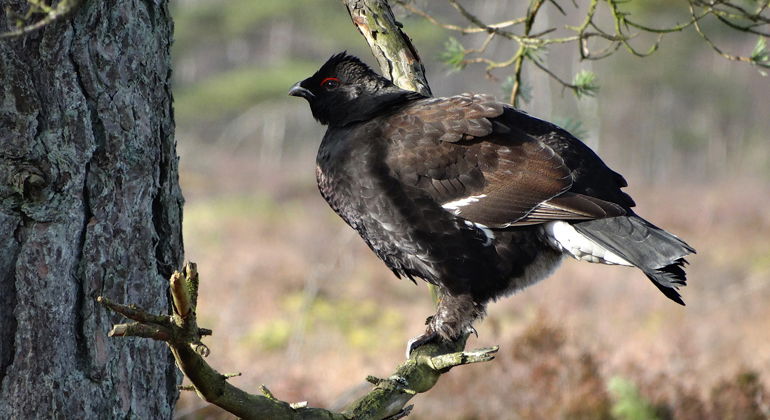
(89, 204)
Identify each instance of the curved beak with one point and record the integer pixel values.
(298, 90)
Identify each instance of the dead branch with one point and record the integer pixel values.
(51, 14)
(180, 331)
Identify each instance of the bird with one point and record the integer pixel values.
(472, 195)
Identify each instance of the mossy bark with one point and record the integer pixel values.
(89, 204)
(396, 56)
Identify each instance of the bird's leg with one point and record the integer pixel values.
(454, 317)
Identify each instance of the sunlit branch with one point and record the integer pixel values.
(448, 26)
(52, 14)
(713, 46)
(476, 21)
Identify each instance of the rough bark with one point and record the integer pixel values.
(89, 205)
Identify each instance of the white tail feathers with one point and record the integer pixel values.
(564, 237)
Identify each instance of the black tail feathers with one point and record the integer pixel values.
(668, 279)
(659, 254)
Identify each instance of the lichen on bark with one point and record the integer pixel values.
(89, 204)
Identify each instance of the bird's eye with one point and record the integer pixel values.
(330, 82)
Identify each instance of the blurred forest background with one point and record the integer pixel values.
(298, 302)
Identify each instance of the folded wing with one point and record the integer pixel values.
(455, 150)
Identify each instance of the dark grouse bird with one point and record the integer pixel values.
(471, 194)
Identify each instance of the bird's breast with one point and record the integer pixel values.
(343, 176)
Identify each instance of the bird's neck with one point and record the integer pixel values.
(366, 107)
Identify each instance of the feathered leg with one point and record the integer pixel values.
(454, 317)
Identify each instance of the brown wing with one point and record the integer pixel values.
(453, 150)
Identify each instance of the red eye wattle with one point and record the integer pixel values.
(330, 82)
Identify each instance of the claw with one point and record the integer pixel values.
(418, 341)
(471, 330)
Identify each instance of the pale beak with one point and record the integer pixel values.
(298, 90)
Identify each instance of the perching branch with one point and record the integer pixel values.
(180, 331)
(395, 54)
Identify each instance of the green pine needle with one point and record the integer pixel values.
(585, 84)
(534, 52)
(525, 90)
(453, 55)
(760, 55)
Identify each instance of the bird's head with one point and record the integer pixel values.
(345, 90)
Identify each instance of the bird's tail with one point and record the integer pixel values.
(659, 254)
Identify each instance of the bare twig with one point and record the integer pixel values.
(52, 14)
(730, 13)
(478, 23)
(707, 39)
(464, 30)
(134, 312)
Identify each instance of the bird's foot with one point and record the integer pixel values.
(431, 335)
(471, 330)
(437, 330)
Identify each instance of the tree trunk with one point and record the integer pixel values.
(89, 205)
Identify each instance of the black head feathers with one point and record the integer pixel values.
(345, 90)
(347, 66)
(348, 69)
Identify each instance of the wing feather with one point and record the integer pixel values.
(455, 151)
